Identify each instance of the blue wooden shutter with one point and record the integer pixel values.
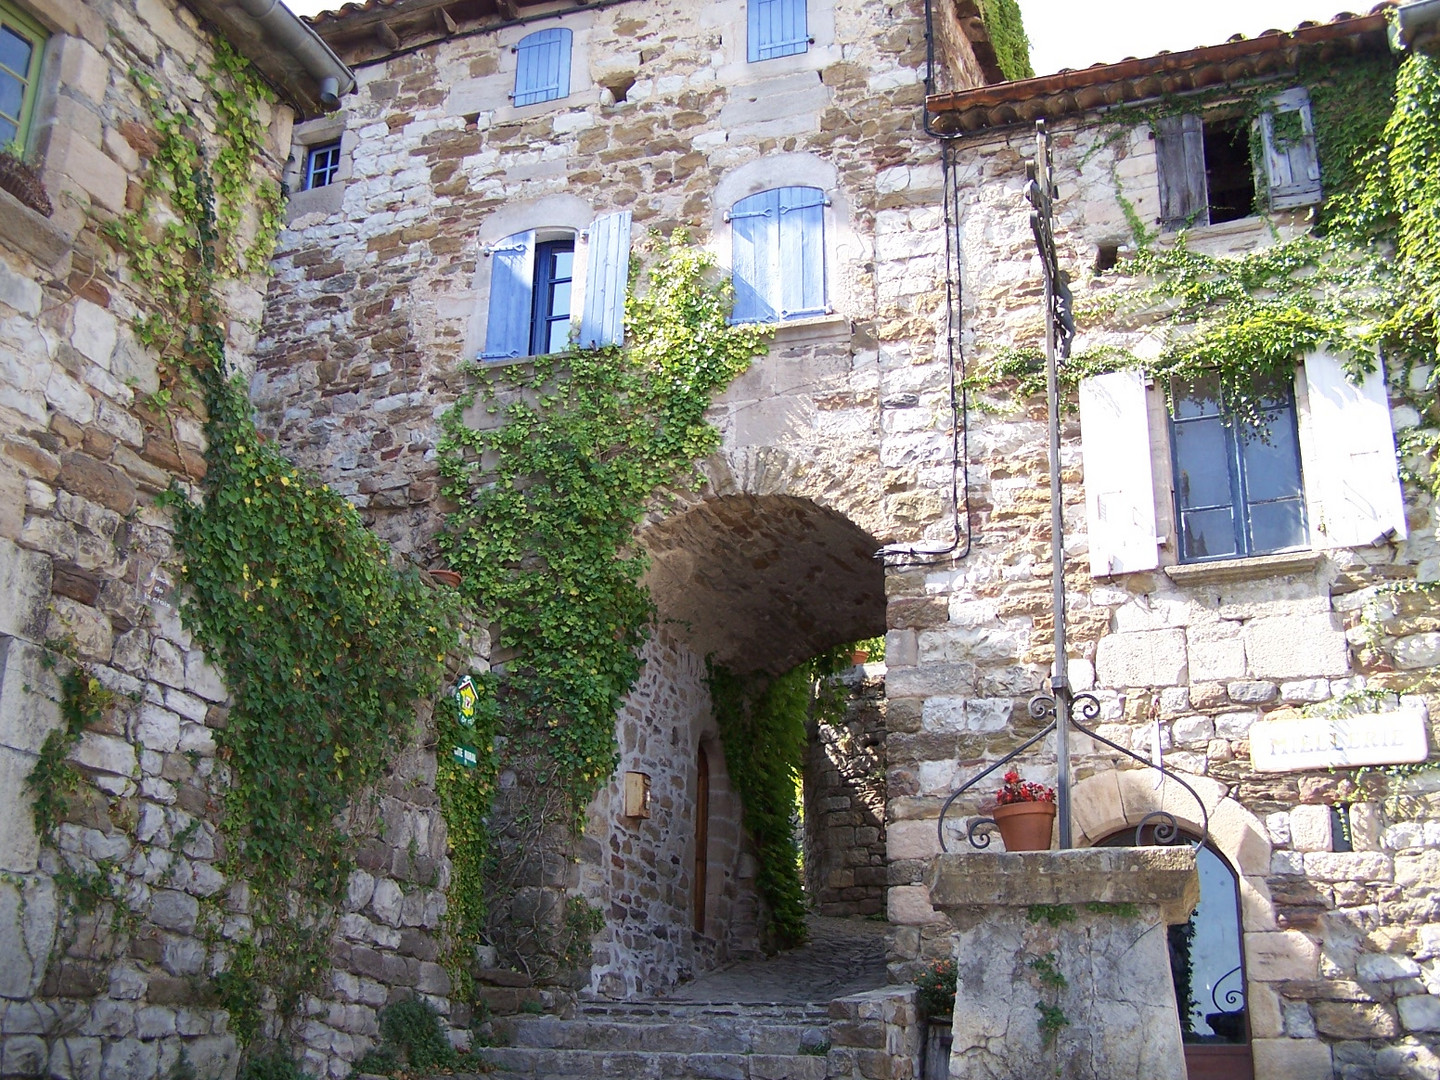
(512, 288)
(542, 66)
(1291, 170)
(802, 251)
(777, 28)
(607, 271)
(754, 254)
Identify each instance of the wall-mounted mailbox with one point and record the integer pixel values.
(637, 795)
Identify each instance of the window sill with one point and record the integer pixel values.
(31, 233)
(1248, 569)
(816, 328)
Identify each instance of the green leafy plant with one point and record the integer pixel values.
(936, 986)
(1051, 914)
(562, 458)
(1006, 28)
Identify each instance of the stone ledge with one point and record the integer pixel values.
(812, 330)
(31, 233)
(1256, 566)
(1163, 876)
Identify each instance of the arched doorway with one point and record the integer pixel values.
(1208, 967)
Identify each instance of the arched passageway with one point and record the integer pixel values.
(756, 584)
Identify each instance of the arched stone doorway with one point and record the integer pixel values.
(758, 584)
(1236, 916)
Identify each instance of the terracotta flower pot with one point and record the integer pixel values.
(1025, 826)
(446, 577)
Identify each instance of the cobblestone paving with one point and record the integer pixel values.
(843, 956)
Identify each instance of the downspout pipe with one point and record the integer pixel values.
(290, 33)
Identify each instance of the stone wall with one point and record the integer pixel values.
(641, 872)
(88, 567)
(845, 805)
(1339, 945)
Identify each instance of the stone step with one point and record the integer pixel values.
(707, 1034)
(524, 1061)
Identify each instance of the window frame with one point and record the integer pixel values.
(331, 168)
(542, 300)
(26, 26)
(1240, 503)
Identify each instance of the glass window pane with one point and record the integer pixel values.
(1272, 459)
(564, 264)
(560, 299)
(1202, 469)
(559, 335)
(12, 95)
(15, 52)
(7, 131)
(1198, 398)
(1276, 526)
(1208, 534)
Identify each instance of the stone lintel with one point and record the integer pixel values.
(1162, 876)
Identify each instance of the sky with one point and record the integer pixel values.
(1068, 33)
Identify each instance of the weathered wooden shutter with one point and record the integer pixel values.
(1352, 481)
(1180, 162)
(802, 251)
(607, 271)
(1119, 487)
(542, 66)
(512, 287)
(754, 251)
(1291, 164)
(777, 28)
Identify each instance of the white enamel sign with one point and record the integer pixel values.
(1314, 742)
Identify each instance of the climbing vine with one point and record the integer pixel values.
(551, 466)
(1007, 35)
(1364, 282)
(326, 646)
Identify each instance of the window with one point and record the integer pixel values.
(22, 41)
(778, 254)
(1237, 487)
(1211, 168)
(322, 163)
(550, 308)
(777, 28)
(542, 67)
(535, 296)
(1237, 493)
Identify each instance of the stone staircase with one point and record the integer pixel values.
(853, 1037)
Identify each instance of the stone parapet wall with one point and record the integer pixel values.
(1189, 659)
(845, 806)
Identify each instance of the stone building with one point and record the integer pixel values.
(492, 153)
(112, 925)
(1217, 648)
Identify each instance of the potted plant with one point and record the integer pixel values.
(1024, 813)
(21, 179)
(936, 1003)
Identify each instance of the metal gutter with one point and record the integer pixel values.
(1413, 23)
(286, 30)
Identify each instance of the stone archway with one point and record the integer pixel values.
(757, 581)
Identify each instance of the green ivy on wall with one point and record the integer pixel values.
(1365, 281)
(327, 647)
(551, 465)
(1007, 34)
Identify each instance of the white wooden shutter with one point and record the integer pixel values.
(1180, 163)
(607, 271)
(1119, 487)
(754, 257)
(542, 66)
(1291, 169)
(1352, 480)
(802, 252)
(512, 287)
(776, 28)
